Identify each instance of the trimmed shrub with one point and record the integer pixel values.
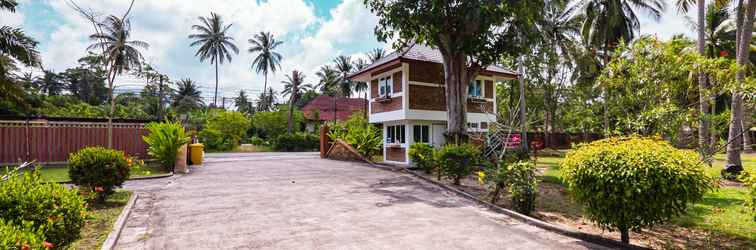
(165, 139)
(98, 169)
(629, 183)
(54, 210)
(422, 155)
(224, 130)
(457, 161)
(21, 237)
(749, 179)
(363, 136)
(297, 142)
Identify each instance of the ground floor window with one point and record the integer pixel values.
(395, 134)
(421, 133)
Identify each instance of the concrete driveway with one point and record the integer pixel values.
(299, 201)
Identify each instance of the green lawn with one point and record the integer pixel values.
(721, 210)
(100, 220)
(60, 174)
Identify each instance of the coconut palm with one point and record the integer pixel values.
(243, 104)
(606, 23)
(267, 60)
(15, 46)
(214, 44)
(328, 80)
(119, 53)
(188, 97)
(266, 100)
(294, 87)
(360, 63)
(345, 67)
(745, 24)
(376, 54)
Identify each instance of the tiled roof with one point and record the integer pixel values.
(421, 52)
(345, 107)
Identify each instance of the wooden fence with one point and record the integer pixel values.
(52, 141)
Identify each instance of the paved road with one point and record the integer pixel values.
(299, 201)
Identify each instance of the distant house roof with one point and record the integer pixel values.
(324, 105)
(419, 52)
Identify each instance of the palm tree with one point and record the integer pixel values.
(344, 67)
(294, 87)
(745, 25)
(606, 23)
(376, 54)
(266, 100)
(328, 80)
(120, 54)
(214, 44)
(242, 103)
(14, 46)
(188, 97)
(360, 63)
(267, 60)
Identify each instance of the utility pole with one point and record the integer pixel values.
(160, 98)
(223, 103)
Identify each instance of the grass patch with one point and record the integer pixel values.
(249, 148)
(720, 212)
(60, 174)
(100, 221)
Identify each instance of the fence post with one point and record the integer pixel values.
(324, 146)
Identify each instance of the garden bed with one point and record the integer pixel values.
(100, 220)
(717, 222)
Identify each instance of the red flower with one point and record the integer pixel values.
(99, 189)
(515, 138)
(48, 244)
(25, 247)
(724, 53)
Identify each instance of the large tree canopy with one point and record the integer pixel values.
(470, 34)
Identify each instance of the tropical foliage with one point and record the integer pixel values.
(214, 43)
(164, 140)
(99, 170)
(223, 130)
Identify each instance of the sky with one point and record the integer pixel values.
(313, 33)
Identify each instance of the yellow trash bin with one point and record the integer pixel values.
(196, 151)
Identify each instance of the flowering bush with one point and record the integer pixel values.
(99, 169)
(35, 211)
(422, 155)
(518, 178)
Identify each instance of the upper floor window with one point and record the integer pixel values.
(421, 133)
(385, 86)
(473, 125)
(395, 134)
(475, 88)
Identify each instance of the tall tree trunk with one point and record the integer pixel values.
(736, 116)
(523, 110)
(457, 79)
(365, 111)
(215, 99)
(265, 88)
(704, 145)
(291, 111)
(111, 79)
(605, 92)
(746, 134)
(625, 235)
(160, 99)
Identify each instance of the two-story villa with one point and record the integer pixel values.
(407, 97)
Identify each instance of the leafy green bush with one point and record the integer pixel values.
(518, 178)
(165, 139)
(16, 237)
(628, 183)
(364, 137)
(522, 186)
(422, 155)
(98, 169)
(269, 125)
(457, 161)
(296, 142)
(749, 179)
(55, 211)
(224, 130)
(257, 141)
